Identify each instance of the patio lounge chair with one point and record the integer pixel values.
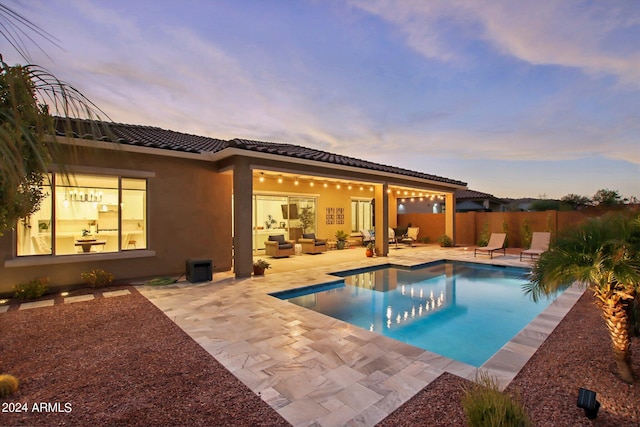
(311, 245)
(539, 244)
(412, 236)
(496, 243)
(277, 247)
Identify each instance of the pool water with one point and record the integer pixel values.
(463, 311)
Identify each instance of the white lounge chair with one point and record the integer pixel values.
(496, 243)
(539, 244)
(412, 236)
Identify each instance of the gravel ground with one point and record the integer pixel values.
(120, 361)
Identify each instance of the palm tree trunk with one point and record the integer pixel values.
(615, 315)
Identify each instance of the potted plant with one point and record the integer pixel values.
(370, 249)
(306, 218)
(259, 267)
(341, 239)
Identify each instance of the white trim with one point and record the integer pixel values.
(28, 261)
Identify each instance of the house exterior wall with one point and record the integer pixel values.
(188, 216)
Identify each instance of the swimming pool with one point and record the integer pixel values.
(463, 311)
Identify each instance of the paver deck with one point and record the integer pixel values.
(316, 370)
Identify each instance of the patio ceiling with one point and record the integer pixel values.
(292, 179)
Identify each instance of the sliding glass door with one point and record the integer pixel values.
(290, 216)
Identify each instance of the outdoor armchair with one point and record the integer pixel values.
(311, 245)
(277, 247)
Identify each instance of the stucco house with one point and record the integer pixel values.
(138, 201)
(477, 201)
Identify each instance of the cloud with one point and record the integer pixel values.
(598, 38)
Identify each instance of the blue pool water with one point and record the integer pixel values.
(463, 311)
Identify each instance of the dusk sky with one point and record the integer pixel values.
(519, 99)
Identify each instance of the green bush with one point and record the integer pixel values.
(31, 290)
(97, 278)
(8, 385)
(484, 235)
(445, 241)
(486, 406)
(526, 233)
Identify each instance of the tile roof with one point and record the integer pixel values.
(472, 194)
(154, 137)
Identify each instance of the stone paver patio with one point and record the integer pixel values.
(318, 371)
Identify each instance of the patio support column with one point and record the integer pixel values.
(242, 212)
(450, 216)
(382, 219)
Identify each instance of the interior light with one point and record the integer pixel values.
(311, 184)
(296, 182)
(261, 177)
(279, 180)
(350, 187)
(338, 186)
(325, 185)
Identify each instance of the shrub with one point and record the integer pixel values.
(97, 278)
(526, 233)
(505, 230)
(8, 385)
(484, 235)
(31, 290)
(485, 405)
(445, 241)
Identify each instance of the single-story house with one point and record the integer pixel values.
(477, 201)
(138, 201)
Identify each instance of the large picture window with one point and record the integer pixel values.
(84, 214)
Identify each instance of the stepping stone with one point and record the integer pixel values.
(116, 293)
(78, 298)
(4, 308)
(36, 304)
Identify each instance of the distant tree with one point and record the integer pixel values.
(606, 197)
(545, 205)
(576, 201)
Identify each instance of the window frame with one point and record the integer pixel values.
(122, 252)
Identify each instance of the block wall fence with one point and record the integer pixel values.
(469, 224)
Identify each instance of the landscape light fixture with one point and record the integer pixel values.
(587, 401)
